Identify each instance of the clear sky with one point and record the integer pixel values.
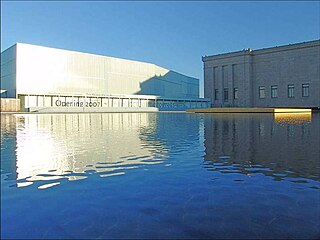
(173, 35)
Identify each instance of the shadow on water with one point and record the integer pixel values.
(280, 145)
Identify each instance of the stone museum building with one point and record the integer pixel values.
(281, 76)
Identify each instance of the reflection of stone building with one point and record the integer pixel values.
(104, 143)
(253, 140)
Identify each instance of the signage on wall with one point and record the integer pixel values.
(59, 103)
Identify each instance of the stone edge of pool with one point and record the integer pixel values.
(200, 110)
(93, 112)
(250, 110)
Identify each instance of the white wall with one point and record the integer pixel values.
(42, 70)
(8, 72)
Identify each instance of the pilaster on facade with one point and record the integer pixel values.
(278, 67)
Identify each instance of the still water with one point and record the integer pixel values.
(160, 175)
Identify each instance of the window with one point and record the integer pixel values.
(290, 91)
(235, 93)
(225, 94)
(216, 92)
(305, 90)
(274, 91)
(262, 93)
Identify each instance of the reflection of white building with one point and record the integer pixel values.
(47, 79)
(106, 143)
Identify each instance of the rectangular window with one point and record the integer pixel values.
(262, 93)
(225, 94)
(274, 91)
(290, 91)
(305, 90)
(216, 94)
(235, 93)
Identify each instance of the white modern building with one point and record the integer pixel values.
(282, 76)
(48, 79)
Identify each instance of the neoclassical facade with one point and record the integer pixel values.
(282, 76)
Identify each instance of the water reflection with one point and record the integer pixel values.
(56, 146)
(281, 146)
(295, 118)
(195, 175)
(50, 147)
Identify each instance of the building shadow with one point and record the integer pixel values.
(170, 85)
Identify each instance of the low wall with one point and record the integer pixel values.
(10, 105)
(78, 109)
(108, 103)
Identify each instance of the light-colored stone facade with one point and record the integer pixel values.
(284, 76)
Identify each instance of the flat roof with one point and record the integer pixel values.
(98, 55)
(264, 50)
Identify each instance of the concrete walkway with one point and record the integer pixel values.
(250, 110)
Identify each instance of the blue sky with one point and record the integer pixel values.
(173, 35)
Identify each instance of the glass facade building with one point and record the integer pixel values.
(43, 77)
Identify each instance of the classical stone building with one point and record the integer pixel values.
(282, 76)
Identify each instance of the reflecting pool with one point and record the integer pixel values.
(160, 175)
